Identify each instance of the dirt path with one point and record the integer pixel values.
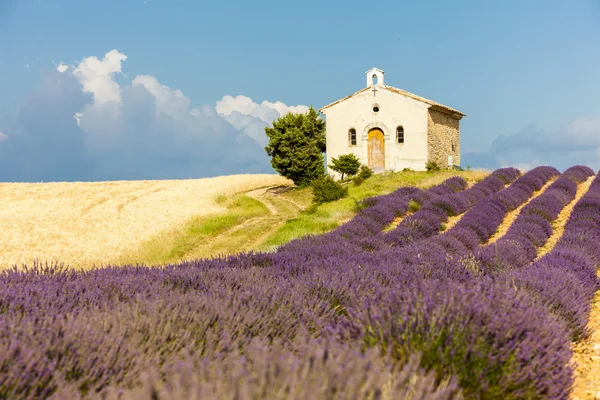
(560, 221)
(512, 215)
(261, 195)
(586, 355)
(251, 233)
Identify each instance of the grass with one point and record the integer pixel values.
(175, 244)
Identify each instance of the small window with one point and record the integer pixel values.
(453, 148)
(400, 134)
(374, 79)
(375, 108)
(352, 137)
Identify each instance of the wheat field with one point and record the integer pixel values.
(87, 223)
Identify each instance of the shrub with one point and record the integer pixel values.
(365, 172)
(326, 189)
(345, 164)
(296, 146)
(432, 166)
(485, 332)
(413, 206)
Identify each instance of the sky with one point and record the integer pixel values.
(170, 89)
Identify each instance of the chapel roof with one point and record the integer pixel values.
(434, 104)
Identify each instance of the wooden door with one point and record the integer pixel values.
(376, 150)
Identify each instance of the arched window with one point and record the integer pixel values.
(352, 137)
(374, 79)
(400, 134)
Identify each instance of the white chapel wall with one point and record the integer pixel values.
(394, 110)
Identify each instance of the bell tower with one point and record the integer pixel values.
(374, 77)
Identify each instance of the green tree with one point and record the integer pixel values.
(296, 146)
(345, 164)
(325, 189)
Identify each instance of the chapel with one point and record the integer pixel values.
(391, 129)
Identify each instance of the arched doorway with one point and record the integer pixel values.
(376, 148)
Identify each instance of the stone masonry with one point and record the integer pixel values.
(443, 138)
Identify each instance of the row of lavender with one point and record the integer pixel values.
(366, 229)
(428, 220)
(419, 245)
(352, 324)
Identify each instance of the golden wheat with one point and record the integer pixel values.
(85, 223)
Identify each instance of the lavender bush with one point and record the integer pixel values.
(533, 228)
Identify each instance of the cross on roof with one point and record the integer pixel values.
(374, 90)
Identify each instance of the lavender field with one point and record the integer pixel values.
(362, 312)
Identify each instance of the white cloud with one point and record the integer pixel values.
(168, 101)
(96, 76)
(81, 124)
(77, 117)
(250, 117)
(62, 67)
(26, 65)
(264, 111)
(242, 112)
(584, 131)
(578, 142)
(3, 136)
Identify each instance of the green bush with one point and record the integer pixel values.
(433, 166)
(296, 146)
(326, 189)
(413, 206)
(346, 164)
(365, 172)
(358, 181)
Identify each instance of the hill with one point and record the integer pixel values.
(82, 223)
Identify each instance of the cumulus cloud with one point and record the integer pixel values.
(96, 76)
(250, 117)
(82, 125)
(43, 141)
(578, 142)
(169, 102)
(264, 111)
(62, 67)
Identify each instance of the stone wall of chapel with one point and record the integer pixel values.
(443, 132)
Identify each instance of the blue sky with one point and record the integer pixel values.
(197, 81)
